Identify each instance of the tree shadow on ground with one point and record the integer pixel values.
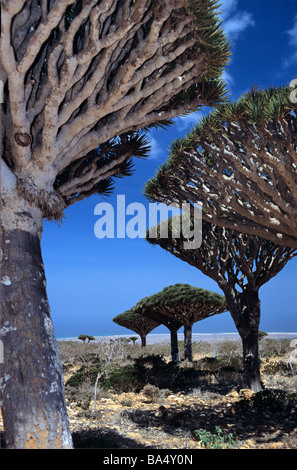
(261, 425)
(104, 438)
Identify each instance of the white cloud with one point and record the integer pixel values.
(292, 41)
(238, 23)
(227, 7)
(227, 77)
(235, 20)
(293, 34)
(184, 123)
(156, 149)
(289, 61)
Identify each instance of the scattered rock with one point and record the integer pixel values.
(276, 445)
(246, 393)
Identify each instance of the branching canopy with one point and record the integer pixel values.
(241, 163)
(239, 263)
(182, 304)
(136, 322)
(78, 74)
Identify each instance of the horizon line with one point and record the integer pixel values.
(168, 334)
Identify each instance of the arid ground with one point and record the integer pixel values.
(145, 401)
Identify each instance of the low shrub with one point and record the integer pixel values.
(84, 374)
(154, 370)
(81, 396)
(152, 392)
(122, 379)
(217, 440)
(271, 347)
(280, 368)
(272, 401)
(150, 360)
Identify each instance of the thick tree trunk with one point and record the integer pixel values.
(174, 345)
(245, 311)
(32, 388)
(143, 341)
(251, 361)
(188, 342)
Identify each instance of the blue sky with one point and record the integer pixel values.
(91, 280)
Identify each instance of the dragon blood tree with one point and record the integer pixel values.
(138, 323)
(240, 264)
(80, 78)
(162, 318)
(240, 161)
(185, 305)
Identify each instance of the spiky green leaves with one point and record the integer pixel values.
(95, 172)
(254, 107)
(216, 50)
(213, 41)
(240, 162)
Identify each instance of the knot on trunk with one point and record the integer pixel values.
(23, 139)
(249, 360)
(51, 204)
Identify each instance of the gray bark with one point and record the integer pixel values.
(32, 385)
(245, 311)
(143, 341)
(188, 342)
(251, 361)
(174, 345)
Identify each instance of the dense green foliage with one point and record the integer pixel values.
(213, 39)
(134, 321)
(182, 303)
(254, 107)
(85, 373)
(183, 295)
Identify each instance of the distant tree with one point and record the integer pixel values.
(80, 77)
(87, 338)
(240, 264)
(133, 339)
(184, 305)
(240, 162)
(173, 325)
(261, 335)
(135, 322)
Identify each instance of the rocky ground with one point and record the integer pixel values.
(132, 420)
(180, 412)
(216, 412)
